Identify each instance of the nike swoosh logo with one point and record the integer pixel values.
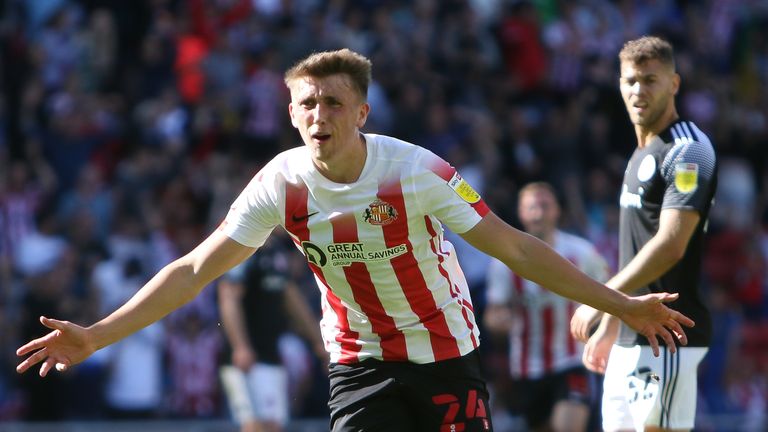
(297, 219)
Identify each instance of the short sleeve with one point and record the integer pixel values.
(689, 174)
(254, 214)
(447, 196)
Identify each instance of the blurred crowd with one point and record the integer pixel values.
(128, 128)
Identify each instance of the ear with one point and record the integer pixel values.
(363, 115)
(290, 114)
(675, 83)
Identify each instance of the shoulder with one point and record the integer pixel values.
(415, 157)
(393, 148)
(285, 166)
(686, 143)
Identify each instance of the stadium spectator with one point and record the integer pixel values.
(258, 302)
(549, 386)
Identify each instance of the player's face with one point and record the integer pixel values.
(328, 113)
(649, 90)
(538, 211)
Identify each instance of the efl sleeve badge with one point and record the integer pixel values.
(686, 177)
(463, 189)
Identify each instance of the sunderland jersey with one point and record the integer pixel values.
(391, 286)
(540, 340)
(676, 170)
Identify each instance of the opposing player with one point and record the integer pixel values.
(366, 211)
(666, 195)
(258, 302)
(550, 387)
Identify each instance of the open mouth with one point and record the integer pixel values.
(321, 137)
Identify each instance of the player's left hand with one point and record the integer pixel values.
(596, 352)
(648, 316)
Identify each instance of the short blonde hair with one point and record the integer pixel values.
(323, 64)
(646, 48)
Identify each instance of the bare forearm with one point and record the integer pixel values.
(650, 263)
(299, 311)
(539, 263)
(171, 288)
(232, 316)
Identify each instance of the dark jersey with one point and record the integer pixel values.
(676, 170)
(264, 276)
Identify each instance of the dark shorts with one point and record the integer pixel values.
(534, 399)
(374, 395)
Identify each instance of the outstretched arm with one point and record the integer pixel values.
(534, 260)
(175, 285)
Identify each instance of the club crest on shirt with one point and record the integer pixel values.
(380, 213)
(686, 177)
(647, 168)
(463, 189)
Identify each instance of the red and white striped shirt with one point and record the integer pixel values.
(540, 341)
(391, 286)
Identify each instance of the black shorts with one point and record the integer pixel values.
(374, 395)
(534, 399)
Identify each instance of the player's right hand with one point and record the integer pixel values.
(65, 346)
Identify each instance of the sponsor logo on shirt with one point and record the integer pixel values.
(686, 177)
(629, 199)
(380, 213)
(344, 254)
(463, 189)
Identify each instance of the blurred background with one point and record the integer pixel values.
(128, 128)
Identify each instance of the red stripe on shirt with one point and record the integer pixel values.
(481, 207)
(296, 205)
(442, 169)
(411, 279)
(454, 290)
(548, 321)
(525, 333)
(359, 279)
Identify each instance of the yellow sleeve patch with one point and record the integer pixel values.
(686, 177)
(463, 189)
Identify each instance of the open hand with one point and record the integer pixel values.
(648, 316)
(65, 346)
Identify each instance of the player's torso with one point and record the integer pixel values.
(677, 170)
(391, 286)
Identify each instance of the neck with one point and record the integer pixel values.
(646, 134)
(346, 167)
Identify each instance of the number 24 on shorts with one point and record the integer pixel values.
(475, 409)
